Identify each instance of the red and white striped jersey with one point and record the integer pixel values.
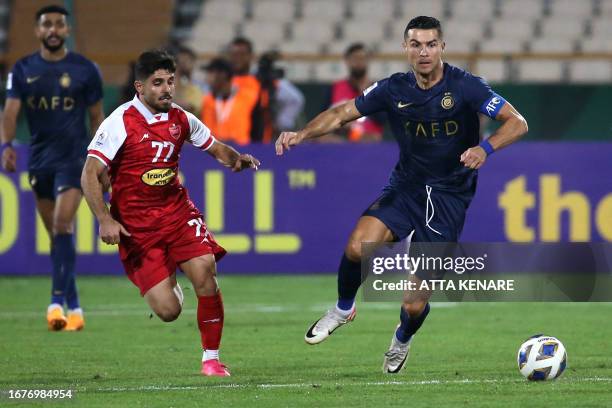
(142, 152)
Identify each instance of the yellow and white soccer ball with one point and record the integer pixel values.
(542, 358)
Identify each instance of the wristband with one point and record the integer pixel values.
(486, 146)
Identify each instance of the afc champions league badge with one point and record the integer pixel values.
(175, 130)
(65, 80)
(447, 101)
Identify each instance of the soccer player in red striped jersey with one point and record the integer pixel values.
(151, 217)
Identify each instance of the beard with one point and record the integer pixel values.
(160, 105)
(53, 48)
(358, 73)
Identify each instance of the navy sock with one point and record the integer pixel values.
(410, 325)
(63, 256)
(57, 295)
(72, 296)
(349, 280)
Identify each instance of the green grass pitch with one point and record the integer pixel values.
(464, 355)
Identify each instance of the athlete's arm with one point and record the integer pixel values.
(513, 128)
(229, 157)
(96, 115)
(326, 122)
(9, 127)
(92, 185)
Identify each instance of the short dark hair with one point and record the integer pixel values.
(219, 65)
(50, 9)
(358, 46)
(243, 41)
(425, 23)
(152, 60)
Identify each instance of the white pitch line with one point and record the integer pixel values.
(137, 310)
(353, 384)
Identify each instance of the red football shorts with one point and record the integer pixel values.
(150, 257)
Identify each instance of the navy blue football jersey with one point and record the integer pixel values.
(433, 127)
(55, 97)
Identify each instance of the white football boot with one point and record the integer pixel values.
(396, 356)
(322, 328)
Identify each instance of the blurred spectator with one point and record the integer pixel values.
(187, 94)
(228, 109)
(279, 101)
(366, 129)
(241, 56)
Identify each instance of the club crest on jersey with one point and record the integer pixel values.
(158, 177)
(175, 130)
(447, 102)
(65, 80)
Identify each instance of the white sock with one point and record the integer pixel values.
(345, 313)
(78, 310)
(53, 306)
(210, 355)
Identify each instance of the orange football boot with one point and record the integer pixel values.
(75, 322)
(56, 320)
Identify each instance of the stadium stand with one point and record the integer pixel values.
(599, 70)
(540, 71)
(502, 40)
(491, 35)
(119, 43)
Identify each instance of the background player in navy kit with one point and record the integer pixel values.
(57, 88)
(433, 112)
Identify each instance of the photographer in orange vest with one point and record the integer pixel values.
(228, 109)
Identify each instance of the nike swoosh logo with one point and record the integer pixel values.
(403, 105)
(310, 334)
(211, 321)
(32, 79)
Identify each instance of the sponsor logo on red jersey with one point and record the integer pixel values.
(158, 177)
(175, 130)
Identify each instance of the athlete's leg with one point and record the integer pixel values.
(445, 227)
(202, 272)
(368, 229)
(46, 208)
(413, 313)
(56, 320)
(414, 310)
(64, 252)
(164, 300)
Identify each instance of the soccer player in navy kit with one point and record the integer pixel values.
(433, 112)
(57, 89)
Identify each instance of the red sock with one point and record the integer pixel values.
(210, 320)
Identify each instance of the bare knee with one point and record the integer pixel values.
(202, 272)
(62, 226)
(414, 308)
(368, 230)
(353, 249)
(168, 313)
(163, 301)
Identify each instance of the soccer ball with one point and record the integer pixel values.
(541, 358)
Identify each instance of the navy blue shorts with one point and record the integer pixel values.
(423, 214)
(433, 215)
(49, 184)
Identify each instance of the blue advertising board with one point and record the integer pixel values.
(295, 214)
